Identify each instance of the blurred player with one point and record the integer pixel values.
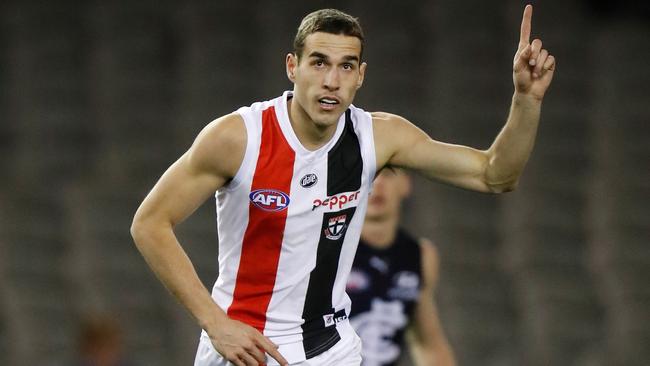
(101, 343)
(392, 284)
(292, 177)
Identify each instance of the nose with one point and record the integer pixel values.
(332, 80)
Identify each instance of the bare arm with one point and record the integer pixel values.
(426, 338)
(212, 160)
(497, 169)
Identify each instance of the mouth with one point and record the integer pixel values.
(328, 103)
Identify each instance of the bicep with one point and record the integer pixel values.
(179, 191)
(405, 145)
(212, 160)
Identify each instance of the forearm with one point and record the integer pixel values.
(429, 344)
(166, 258)
(433, 353)
(443, 354)
(511, 149)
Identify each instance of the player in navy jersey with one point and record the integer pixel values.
(392, 284)
(292, 177)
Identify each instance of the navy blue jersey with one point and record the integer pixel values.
(384, 287)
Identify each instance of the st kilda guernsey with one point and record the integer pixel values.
(289, 223)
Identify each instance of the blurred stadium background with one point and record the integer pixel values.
(99, 97)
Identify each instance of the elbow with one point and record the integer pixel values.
(137, 230)
(498, 182)
(141, 229)
(146, 230)
(500, 176)
(504, 187)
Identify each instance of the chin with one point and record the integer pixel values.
(326, 120)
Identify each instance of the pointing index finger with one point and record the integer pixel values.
(524, 35)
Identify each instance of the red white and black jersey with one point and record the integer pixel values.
(289, 223)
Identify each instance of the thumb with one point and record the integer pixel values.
(521, 59)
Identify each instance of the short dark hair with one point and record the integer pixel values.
(328, 21)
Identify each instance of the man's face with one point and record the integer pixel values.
(390, 188)
(326, 76)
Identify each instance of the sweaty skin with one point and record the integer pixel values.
(329, 69)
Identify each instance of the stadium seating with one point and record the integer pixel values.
(98, 98)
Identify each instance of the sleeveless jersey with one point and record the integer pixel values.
(384, 286)
(289, 223)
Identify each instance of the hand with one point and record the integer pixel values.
(533, 66)
(244, 345)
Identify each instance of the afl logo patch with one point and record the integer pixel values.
(308, 180)
(269, 199)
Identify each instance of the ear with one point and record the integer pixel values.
(292, 64)
(362, 74)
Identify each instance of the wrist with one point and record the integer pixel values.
(213, 320)
(526, 99)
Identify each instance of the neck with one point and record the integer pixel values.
(380, 233)
(310, 134)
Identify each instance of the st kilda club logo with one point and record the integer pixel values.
(336, 227)
(269, 199)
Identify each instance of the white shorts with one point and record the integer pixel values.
(346, 352)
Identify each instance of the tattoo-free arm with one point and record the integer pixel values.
(497, 169)
(212, 160)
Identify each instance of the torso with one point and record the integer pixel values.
(384, 286)
(289, 222)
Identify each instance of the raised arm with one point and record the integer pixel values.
(425, 336)
(497, 169)
(212, 160)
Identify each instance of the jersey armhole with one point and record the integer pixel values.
(243, 167)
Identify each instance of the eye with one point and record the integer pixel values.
(319, 63)
(348, 66)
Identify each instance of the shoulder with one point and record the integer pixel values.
(383, 125)
(220, 146)
(428, 248)
(393, 135)
(385, 119)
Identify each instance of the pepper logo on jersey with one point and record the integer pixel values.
(335, 227)
(308, 180)
(338, 200)
(269, 199)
